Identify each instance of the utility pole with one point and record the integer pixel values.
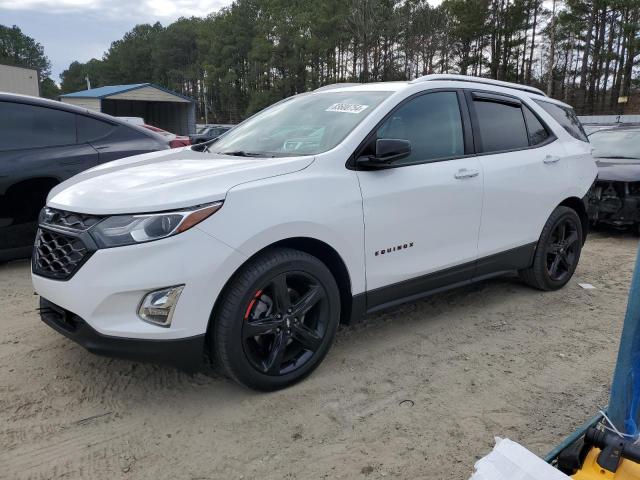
(552, 50)
(86, 77)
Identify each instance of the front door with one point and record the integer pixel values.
(422, 216)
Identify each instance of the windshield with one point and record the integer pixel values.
(616, 144)
(304, 125)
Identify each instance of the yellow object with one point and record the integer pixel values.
(590, 470)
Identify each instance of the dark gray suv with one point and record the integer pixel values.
(42, 143)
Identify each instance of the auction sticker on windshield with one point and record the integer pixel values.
(347, 108)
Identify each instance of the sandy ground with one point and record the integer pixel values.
(496, 358)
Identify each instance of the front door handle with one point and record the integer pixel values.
(549, 159)
(466, 173)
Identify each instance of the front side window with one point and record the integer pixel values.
(566, 117)
(30, 126)
(501, 126)
(433, 125)
(303, 125)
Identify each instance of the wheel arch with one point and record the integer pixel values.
(319, 249)
(21, 193)
(578, 205)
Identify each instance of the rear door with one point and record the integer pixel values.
(524, 178)
(39, 149)
(422, 216)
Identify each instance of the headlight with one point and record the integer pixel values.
(119, 230)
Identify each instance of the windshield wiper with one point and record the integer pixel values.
(242, 153)
(618, 157)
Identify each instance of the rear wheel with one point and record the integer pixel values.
(558, 251)
(277, 319)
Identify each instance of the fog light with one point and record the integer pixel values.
(157, 307)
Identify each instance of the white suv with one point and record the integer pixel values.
(327, 205)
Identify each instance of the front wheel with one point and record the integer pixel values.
(277, 319)
(557, 252)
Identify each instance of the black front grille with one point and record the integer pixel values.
(69, 220)
(57, 255)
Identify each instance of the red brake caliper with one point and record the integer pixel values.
(252, 303)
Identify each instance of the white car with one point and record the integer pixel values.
(325, 206)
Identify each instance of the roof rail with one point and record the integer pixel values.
(487, 81)
(335, 85)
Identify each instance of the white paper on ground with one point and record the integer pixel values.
(511, 461)
(586, 286)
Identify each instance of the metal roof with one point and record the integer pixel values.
(109, 90)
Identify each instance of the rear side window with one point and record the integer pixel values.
(433, 125)
(92, 129)
(501, 126)
(537, 132)
(28, 126)
(566, 117)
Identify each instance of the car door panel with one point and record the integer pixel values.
(519, 185)
(422, 218)
(419, 220)
(524, 176)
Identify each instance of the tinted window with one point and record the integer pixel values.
(431, 123)
(565, 117)
(28, 126)
(91, 129)
(501, 126)
(537, 132)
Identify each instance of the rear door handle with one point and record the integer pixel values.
(466, 173)
(549, 159)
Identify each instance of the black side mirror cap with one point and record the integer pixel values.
(388, 150)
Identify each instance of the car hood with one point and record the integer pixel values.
(164, 180)
(618, 169)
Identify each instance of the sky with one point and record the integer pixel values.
(84, 29)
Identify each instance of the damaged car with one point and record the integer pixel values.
(614, 199)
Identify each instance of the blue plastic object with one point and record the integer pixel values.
(625, 389)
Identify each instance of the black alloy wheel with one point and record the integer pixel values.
(285, 323)
(276, 320)
(562, 249)
(557, 252)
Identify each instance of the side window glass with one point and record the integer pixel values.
(501, 126)
(566, 117)
(537, 132)
(432, 124)
(28, 126)
(92, 129)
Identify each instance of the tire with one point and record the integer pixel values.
(556, 246)
(287, 348)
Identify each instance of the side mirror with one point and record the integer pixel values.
(388, 150)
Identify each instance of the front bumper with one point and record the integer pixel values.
(106, 291)
(185, 353)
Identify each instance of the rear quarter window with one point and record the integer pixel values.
(90, 129)
(566, 117)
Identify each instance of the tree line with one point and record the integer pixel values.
(254, 52)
